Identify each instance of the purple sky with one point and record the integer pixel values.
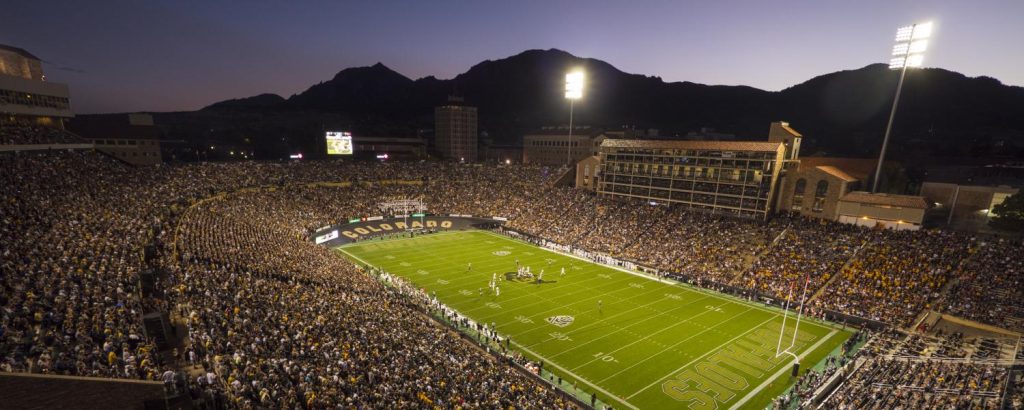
(181, 55)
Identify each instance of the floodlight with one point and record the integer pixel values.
(918, 46)
(922, 31)
(908, 52)
(904, 33)
(574, 85)
(911, 43)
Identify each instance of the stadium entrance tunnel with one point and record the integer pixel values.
(356, 230)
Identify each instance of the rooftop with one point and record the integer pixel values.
(836, 172)
(902, 201)
(695, 145)
(18, 50)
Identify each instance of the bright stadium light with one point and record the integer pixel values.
(573, 91)
(908, 52)
(574, 85)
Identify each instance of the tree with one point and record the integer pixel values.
(1009, 215)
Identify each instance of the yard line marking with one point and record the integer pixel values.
(648, 336)
(781, 371)
(673, 345)
(662, 378)
(609, 317)
(639, 340)
(585, 381)
(670, 281)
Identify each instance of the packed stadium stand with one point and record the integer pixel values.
(203, 277)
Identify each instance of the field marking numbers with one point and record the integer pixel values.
(422, 272)
(636, 285)
(604, 275)
(443, 282)
(673, 296)
(559, 336)
(713, 308)
(784, 369)
(493, 305)
(405, 264)
(524, 320)
(607, 358)
(466, 292)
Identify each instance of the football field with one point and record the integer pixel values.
(633, 340)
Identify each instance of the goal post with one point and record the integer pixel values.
(779, 350)
(405, 208)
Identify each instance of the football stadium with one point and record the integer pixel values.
(611, 241)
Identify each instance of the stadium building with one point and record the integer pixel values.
(132, 138)
(455, 131)
(551, 145)
(737, 178)
(25, 95)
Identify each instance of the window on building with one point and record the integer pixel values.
(819, 196)
(798, 194)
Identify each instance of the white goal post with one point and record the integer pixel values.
(779, 351)
(404, 207)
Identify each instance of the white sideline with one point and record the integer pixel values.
(585, 381)
(781, 371)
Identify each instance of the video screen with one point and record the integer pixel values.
(339, 143)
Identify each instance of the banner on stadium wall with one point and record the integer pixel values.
(324, 238)
(361, 229)
(499, 218)
(460, 215)
(375, 218)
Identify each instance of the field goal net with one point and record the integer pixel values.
(785, 347)
(405, 209)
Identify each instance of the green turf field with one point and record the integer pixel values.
(650, 344)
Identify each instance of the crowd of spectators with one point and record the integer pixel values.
(279, 321)
(808, 252)
(700, 245)
(896, 275)
(991, 288)
(30, 134)
(884, 383)
(327, 333)
(69, 293)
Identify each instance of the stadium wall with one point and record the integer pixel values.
(33, 391)
(367, 228)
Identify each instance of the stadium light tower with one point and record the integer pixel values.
(911, 43)
(573, 92)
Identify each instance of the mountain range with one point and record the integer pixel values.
(942, 114)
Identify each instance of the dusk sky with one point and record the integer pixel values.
(147, 55)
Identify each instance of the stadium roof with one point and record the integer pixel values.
(114, 126)
(902, 201)
(587, 131)
(18, 50)
(836, 172)
(859, 168)
(695, 145)
(790, 130)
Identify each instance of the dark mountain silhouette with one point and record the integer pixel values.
(942, 113)
(262, 101)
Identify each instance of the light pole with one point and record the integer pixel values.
(573, 92)
(911, 43)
